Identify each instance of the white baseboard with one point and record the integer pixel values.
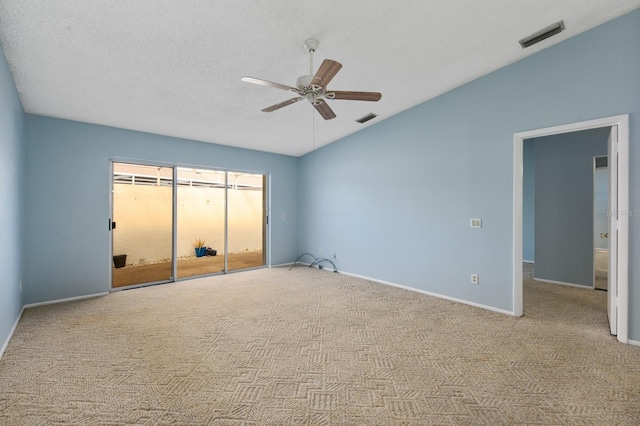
(13, 329)
(428, 293)
(563, 283)
(323, 267)
(69, 299)
(528, 261)
(327, 268)
(633, 342)
(281, 265)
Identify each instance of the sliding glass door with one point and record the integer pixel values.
(201, 215)
(246, 221)
(142, 224)
(174, 223)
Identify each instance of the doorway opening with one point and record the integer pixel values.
(172, 223)
(617, 211)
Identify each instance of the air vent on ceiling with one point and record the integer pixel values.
(366, 118)
(543, 34)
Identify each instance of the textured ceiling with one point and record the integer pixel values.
(174, 67)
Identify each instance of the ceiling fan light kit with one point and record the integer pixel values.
(313, 87)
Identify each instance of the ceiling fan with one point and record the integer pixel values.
(313, 87)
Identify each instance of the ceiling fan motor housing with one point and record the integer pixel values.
(311, 92)
(304, 81)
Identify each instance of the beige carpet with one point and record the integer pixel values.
(279, 347)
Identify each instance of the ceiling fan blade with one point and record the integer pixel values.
(325, 111)
(326, 72)
(268, 83)
(281, 104)
(354, 96)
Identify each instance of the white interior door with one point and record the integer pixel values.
(612, 276)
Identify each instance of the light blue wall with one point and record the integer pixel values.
(11, 200)
(394, 200)
(564, 205)
(68, 179)
(528, 200)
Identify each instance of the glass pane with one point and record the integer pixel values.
(601, 225)
(142, 212)
(245, 221)
(200, 213)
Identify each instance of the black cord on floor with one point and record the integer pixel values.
(316, 262)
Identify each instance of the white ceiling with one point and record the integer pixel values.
(174, 67)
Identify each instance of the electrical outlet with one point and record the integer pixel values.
(474, 279)
(334, 256)
(476, 223)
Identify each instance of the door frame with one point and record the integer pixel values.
(110, 215)
(621, 208)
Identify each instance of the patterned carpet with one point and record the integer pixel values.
(279, 347)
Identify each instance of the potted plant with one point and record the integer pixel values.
(120, 260)
(201, 250)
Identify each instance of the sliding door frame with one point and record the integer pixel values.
(265, 228)
(110, 215)
(174, 230)
(266, 225)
